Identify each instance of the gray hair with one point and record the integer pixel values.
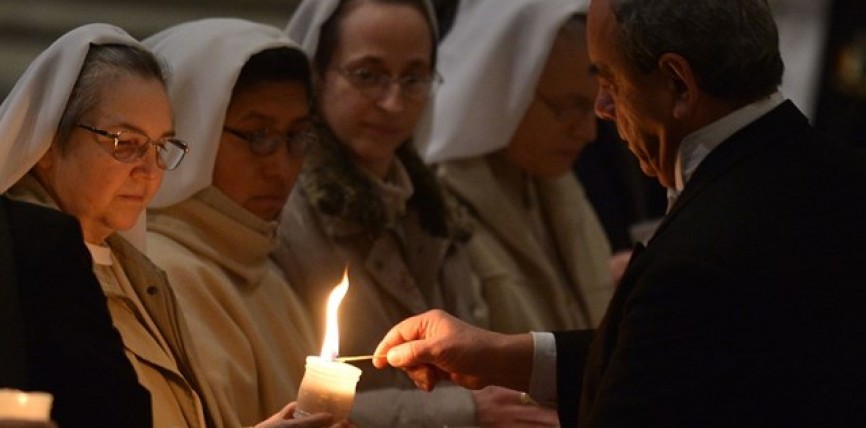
(732, 45)
(102, 64)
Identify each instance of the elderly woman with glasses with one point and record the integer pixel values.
(88, 131)
(242, 92)
(506, 153)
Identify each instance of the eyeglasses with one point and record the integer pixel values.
(130, 146)
(574, 110)
(375, 84)
(265, 143)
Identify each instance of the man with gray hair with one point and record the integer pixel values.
(747, 307)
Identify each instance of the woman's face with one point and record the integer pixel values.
(262, 183)
(373, 124)
(107, 195)
(561, 121)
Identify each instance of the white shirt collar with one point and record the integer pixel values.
(101, 254)
(697, 145)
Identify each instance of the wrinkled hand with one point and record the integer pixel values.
(285, 419)
(434, 346)
(502, 407)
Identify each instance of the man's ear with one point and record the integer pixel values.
(683, 82)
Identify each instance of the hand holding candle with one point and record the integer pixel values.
(329, 385)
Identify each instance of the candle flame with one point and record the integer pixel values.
(331, 345)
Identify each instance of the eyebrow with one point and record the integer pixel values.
(378, 62)
(305, 120)
(254, 115)
(130, 127)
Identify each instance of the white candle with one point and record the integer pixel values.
(328, 385)
(25, 406)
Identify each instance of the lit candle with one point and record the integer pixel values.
(329, 385)
(25, 406)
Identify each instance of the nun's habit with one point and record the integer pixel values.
(247, 323)
(537, 245)
(138, 298)
(399, 265)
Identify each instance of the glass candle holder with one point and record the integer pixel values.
(327, 386)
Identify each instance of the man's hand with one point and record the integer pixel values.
(435, 346)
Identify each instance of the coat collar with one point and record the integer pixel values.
(213, 226)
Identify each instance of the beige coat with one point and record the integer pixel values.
(167, 375)
(248, 326)
(525, 290)
(148, 321)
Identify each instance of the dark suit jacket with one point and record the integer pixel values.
(748, 306)
(56, 331)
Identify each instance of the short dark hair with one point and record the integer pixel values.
(732, 45)
(330, 30)
(279, 64)
(102, 64)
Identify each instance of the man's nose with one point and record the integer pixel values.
(604, 107)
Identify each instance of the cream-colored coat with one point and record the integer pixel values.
(523, 287)
(250, 329)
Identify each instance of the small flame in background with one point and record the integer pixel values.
(331, 345)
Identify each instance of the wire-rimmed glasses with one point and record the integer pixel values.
(265, 142)
(130, 146)
(375, 84)
(574, 110)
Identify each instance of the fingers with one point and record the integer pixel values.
(277, 418)
(288, 411)
(409, 354)
(424, 376)
(532, 416)
(535, 416)
(408, 330)
(285, 419)
(497, 406)
(318, 420)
